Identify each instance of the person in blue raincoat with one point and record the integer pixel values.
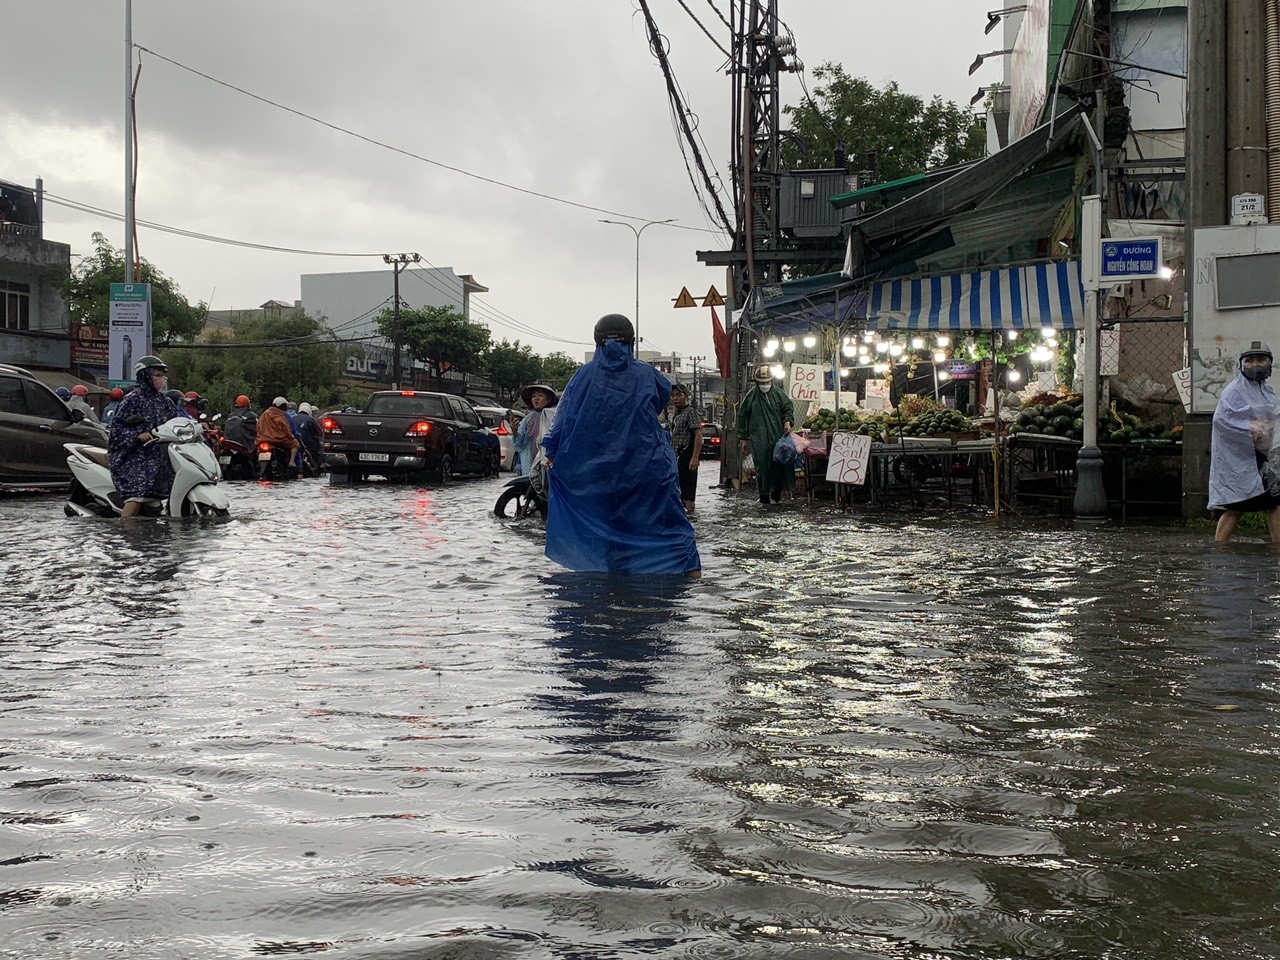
(1242, 436)
(614, 496)
(140, 469)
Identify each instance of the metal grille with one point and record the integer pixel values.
(1151, 351)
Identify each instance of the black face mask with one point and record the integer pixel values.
(1257, 374)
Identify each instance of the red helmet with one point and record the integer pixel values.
(117, 393)
(80, 390)
(191, 395)
(242, 401)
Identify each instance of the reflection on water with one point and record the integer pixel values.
(372, 722)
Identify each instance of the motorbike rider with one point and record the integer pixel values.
(614, 504)
(310, 434)
(274, 427)
(193, 405)
(241, 425)
(140, 469)
(115, 396)
(79, 401)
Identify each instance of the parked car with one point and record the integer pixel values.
(497, 420)
(712, 437)
(34, 424)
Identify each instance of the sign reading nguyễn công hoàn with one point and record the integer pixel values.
(1138, 258)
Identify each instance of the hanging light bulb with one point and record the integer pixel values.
(778, 371)
(869, 337)
(917, 343)
(943, 375)
(944, 340)
(1049, 333)
(810, 342)
(848, 350)
(863, 350)
(789, 346)
(881, 368)
(845, 371)
(882, 347)
(940, 357)
(768, 351)
(1011, 335)
(771, 343)
(895, 349)
(1014, 376)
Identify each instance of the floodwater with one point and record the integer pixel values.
(373, 722)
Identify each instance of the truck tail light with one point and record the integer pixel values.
(331, 425)
(419, 429)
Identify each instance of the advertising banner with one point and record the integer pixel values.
(130, 331)
(89, 346)
(1029, 70)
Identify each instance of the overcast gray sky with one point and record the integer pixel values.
(560, 97)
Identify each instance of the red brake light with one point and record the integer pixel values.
(419, 429)
(502, 430)
(714, 439)
(264, 447)
(408, 393)
(330, 425)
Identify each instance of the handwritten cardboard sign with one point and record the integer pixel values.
(806, 382)
(849, 458)
(1182, 380)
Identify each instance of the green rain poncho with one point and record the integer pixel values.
(760, 420)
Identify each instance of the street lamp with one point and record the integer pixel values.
(632, 228)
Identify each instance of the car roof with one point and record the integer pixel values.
(10, 368)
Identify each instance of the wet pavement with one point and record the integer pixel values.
(372, 722)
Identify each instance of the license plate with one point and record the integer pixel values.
(264, 457)
(376, 457)
(224, 460)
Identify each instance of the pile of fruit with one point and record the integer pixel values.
(935, 422)
(1064, 418)
(847, 420)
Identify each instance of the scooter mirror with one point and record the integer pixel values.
(217, 417)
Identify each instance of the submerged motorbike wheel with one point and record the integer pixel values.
(192, 509)
(516, 503)
(78, 495)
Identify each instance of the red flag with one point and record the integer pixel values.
(721, 340)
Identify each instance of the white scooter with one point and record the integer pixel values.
(195, 490)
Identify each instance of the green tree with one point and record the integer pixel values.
(511, 366)
(557, 368)
(285, 354)
(440, 337)
(907, 134)
(87, 290)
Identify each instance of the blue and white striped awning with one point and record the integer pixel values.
(1015, 298)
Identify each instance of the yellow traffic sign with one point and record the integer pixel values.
(713, 298)
(686, 298)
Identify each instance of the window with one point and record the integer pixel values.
(15, 305)
(42, 402)
(12, 399)
(464, 412)
(1250, 280)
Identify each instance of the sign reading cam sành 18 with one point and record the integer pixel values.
(1138, 258)
(130, 333)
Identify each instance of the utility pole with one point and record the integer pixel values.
(129, 227)
(697, 385)
(398, 262)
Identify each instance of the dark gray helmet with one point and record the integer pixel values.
(614, 326)
(1258, 348)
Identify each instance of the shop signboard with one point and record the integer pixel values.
(130, 331)
(1139, 258)
(959, 370)
(1029, 70)
(89, 346)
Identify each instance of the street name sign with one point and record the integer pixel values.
(1137, 258)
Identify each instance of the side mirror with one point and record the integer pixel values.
(76, 415)
(217, 417)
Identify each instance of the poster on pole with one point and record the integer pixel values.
(849, 458)
(129, 335)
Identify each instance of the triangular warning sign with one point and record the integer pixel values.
(686, 298)
(713, 298)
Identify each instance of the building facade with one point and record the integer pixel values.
(35, 324)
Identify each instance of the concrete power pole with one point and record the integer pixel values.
(398, 262)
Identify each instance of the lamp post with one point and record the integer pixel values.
(632, 228)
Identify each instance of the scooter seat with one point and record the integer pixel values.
(96, 454)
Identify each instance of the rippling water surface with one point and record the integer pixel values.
(374, 723)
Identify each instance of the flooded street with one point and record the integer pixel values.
(372, 722)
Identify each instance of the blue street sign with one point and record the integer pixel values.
(1136, 259)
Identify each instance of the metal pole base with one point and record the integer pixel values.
(1091, 496)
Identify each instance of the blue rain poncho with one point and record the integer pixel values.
(614, 503)
(141, 470)
(1234, 471)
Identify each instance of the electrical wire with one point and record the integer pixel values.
(400, 150)
(192, 234)
(694, 17)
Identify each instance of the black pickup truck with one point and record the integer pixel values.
(409, 433)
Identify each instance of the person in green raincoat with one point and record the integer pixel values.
(764, 417)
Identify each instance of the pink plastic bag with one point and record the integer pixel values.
(802, 443)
